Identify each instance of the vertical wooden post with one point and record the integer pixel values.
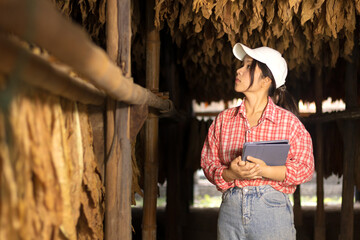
(320, 212)
(118, 165)
(123, 117)
(347, 205)
(298, 217)
(111, 208)
(151, 158)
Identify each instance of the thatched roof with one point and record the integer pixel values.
(307, 33)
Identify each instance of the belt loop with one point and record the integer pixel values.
(258, 191)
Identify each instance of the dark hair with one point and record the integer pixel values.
(280, 95)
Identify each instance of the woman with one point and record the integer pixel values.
(255, 203)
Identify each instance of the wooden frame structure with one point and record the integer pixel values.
(109, 76)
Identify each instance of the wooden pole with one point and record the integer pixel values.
(70, 44)
(347, 205)
(38, 72)
(320, 212)
(118, 167)
(334, 116)
(123, 117)
(298, 217)
(151, 158)
(112, 145)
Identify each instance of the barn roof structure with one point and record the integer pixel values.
(309, 34)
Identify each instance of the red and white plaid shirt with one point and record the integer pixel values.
(231, 129)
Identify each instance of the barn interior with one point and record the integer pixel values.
(97, 106)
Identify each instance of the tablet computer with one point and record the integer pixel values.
(273, 153)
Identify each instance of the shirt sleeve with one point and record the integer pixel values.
(300, 166)
(210, 160)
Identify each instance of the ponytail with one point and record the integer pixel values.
(280, 95)
(284, 99)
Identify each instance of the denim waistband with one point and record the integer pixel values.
(252, 189)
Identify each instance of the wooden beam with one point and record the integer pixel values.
(353, 113)
(320, 211)
(71, 45)
(151, 149)
(350, 127)
(35, 70)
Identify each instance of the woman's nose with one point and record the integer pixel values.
(239, 72)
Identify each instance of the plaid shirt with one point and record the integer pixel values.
(231, 129)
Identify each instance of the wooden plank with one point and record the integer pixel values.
(350, 127)
(320, 211)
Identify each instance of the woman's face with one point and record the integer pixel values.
(243, 79)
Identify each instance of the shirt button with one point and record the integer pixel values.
(248, 131)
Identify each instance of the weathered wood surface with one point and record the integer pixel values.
(119, 165)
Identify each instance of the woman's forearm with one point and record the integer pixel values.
(276, 173)
(228, 175)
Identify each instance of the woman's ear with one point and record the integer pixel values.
(266, 82)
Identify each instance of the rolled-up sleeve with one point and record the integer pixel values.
(300, 165)
(210, 160)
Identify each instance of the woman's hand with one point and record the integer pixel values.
(276, 173)
(239, 169)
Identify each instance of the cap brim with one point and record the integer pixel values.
(240, 51)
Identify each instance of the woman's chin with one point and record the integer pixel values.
(238, 89)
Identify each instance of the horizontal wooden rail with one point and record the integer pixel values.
(39, 72)
(39, 22)
(333, 116)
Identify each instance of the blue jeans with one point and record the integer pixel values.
(257, 213)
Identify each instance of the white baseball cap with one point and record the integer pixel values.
(272, 58)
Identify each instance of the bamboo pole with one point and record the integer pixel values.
(39, 22)
(350, 127)
(320, 212)
(39, 72)
(151, 149)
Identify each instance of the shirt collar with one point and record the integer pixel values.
(269, 113)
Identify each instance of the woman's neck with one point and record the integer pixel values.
(255, 104)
